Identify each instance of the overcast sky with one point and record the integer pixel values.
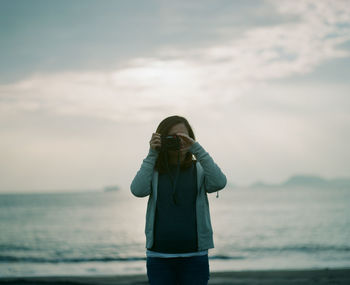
(83, 84)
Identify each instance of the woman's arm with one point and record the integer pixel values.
(141, 184)
(214, 179)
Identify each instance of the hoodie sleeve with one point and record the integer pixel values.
(214, 179)
(141, 184)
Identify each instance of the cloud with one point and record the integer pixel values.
(178, 79)
(72, 121)
(147, 85)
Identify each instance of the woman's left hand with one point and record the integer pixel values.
(186, 141)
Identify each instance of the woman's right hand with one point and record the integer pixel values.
(155, 142)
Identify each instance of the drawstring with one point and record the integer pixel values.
(174, 181)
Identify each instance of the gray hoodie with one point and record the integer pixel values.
(209, 179)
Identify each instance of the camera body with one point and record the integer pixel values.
(170, 142)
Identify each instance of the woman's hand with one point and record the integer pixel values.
(155, 142)
(186, 141)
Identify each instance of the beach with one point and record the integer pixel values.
(278, 277)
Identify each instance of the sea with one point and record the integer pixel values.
(102, 233)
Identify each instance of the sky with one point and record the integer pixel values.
(84, 84)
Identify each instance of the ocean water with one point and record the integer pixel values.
(96, 233)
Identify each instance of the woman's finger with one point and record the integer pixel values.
(186, 138)
(155, 136)
(155, 141)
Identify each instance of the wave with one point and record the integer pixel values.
(304, 248)
(244, 253)
(8, 258)
(223, 257)
(13, 247)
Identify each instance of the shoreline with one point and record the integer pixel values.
(278, 277)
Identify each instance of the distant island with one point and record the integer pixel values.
(306, 181)
(111, 188)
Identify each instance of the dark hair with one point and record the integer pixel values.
(163, 129)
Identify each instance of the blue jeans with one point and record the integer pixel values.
(178, 270)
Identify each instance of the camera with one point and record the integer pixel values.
(171, 142)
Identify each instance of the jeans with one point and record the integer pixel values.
(193, 270)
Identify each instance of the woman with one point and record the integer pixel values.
(178, 228)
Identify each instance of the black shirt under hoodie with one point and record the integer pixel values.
(175, 228)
